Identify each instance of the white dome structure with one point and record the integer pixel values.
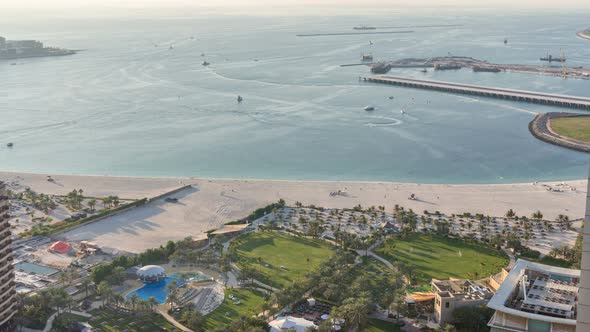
(151, 273)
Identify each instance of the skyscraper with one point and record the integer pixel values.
(583, 323)
(7, 286)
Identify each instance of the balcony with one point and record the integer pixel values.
(7, 313)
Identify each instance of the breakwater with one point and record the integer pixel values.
(352, 33)
(492, 92)
(540, 127)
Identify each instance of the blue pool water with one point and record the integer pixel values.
(35, 268)
(156, 290)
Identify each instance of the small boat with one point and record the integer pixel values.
(402, 112)
(205, 63)
(192, 37)
(391, 97)
(10, 144)
(369, 108)
(505, 41)
(424, 70)
(367, 57)
(202, 54)
(171, 47)
(240, 99)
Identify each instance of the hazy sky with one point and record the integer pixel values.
(317, 7)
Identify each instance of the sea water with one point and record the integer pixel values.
(137, 100)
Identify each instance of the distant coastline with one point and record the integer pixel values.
(58, 52)
(21, 49)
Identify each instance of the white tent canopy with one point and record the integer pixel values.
(288, 323)
(151, 272)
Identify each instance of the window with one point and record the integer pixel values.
(447, 304)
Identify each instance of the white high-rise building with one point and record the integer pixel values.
(583, 323)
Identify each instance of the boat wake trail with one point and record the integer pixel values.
(389, 122)
(499, 104)
(23, 129)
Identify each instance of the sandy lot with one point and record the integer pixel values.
(212, 202)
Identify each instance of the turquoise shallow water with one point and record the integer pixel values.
(126, 107)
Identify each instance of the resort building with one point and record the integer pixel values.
(7, 285)
(583, 323)
(452, 294)
(151, 273)
(536, 298)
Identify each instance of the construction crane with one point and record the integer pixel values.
(563, 67)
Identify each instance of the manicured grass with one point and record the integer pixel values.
(298, 255)
(113, 321)
(441, 257)
(250, 304)
(377, 325)
(576, 128)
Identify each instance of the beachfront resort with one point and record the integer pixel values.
(285, 265)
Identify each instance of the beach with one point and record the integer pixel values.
(209, 203)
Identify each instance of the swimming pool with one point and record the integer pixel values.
(35, 268)
(155, 289)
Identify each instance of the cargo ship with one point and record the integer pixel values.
(364, 27)
(446, 66)
(487, 69)
(380, 68)
(550, 58)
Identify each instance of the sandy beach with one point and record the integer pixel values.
(212, 202)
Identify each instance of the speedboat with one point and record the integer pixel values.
(10, 144)
(240, 99)
(369, 108)
(205, 63)
(402, 112)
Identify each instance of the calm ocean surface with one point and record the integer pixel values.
(126, 107)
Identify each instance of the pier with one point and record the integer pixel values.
(500, 93)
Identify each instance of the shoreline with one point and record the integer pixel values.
(210, 203)
(196, 178)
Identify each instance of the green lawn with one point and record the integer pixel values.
(113, 321)
(296, 254)
(440, 257)
(250, 304)
(377, 325)
(577, 128)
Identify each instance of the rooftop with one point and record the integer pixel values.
(540, 292)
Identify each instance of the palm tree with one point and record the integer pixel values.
(92, 204)
(171, 299)
(105, 291)
(152, 302)
(133, 299)
(85, 283)
(510, 214)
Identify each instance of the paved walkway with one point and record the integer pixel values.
(511, 255)
(173, 321)
(49, 323)
(236, 270)
(369, 252)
